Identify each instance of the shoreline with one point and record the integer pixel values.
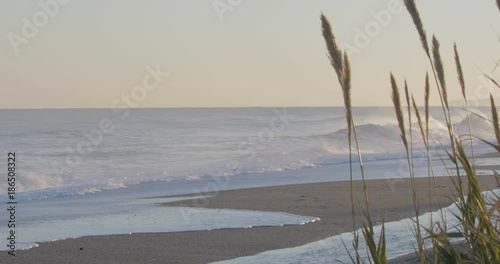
(330, 201)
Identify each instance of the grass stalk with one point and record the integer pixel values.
(494, 115)
(461, 80)
(475, 217)
(340, 62)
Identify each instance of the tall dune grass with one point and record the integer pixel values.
(340, 63)
(476, 217)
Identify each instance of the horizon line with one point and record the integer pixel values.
(208, 107)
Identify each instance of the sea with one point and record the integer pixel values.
(81, 172)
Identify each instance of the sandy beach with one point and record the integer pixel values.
(329, 201)
(269, 132)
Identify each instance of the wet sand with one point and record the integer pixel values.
(390, 201)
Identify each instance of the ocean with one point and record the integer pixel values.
(73, 158)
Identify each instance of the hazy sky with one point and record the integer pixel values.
(89, 53)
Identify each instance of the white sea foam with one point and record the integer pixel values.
(195, 144)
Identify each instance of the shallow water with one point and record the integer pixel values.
(400, 240)
(55, 219)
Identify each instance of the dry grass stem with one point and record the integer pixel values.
(419, 120)
(427, 110)
(494, 114)
(396, 99)
(438, 64)
(460, 72)
(412, 9)
(346, 90)
(334, 53)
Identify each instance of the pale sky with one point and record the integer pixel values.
(263, 53)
